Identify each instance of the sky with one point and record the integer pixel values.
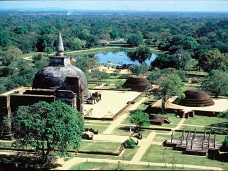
(129, 5)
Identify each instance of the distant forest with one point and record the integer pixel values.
(169, 31)
(190, 41)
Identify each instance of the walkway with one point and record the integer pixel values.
(144, 144)
(121, 118)
(68, 164)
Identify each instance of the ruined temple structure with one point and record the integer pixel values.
(60, 80)
(196, 98)
(137, 83)
(194, 144)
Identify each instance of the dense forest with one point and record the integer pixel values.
(189, 40)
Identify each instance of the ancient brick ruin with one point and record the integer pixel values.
(60, 80)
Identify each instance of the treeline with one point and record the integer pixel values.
(38, 32)
(190, 42)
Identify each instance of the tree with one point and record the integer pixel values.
(134, 39)
(114, 34)
(10, 54)
(212, 60)
(140, 118)
(139, 69)
(169, 85)
(216, 83)
(86, 63)
(48, 127)
(141, 54)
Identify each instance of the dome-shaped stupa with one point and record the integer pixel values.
(60, 71)
(137, 83)
(196, 98)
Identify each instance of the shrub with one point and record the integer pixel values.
(130, 143)
(223, 114)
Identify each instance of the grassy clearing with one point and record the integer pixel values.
(100, 128)
(204, 121)
(127, 154)
(157, 153)
(100, 146)
(120, 166)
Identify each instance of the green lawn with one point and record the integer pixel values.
(121, 166)
(101, 127)
(204, 121)
(127, 154)
(157, 153)
(100, 146)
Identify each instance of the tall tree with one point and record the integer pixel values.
(216, 83)
(134, 39)
(48, 127)
(114, 34)
(169, 85)
(140, 118)
(212, 60)
(141, 54)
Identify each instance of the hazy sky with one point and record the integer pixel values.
(142, 5)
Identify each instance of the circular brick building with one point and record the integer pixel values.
(137, 83)
(196, 98)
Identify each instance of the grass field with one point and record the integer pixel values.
(157, 153)
(120, 166)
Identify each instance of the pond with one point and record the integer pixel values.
(118, 58)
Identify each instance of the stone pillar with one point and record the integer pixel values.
(172, 137)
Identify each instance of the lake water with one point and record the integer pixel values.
(119, 58)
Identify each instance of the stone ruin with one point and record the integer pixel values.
(60, 80)
(194, 144)
(196, 98)
(158, 120)
(137, 83)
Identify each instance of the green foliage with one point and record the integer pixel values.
(216, 83)
(114, 34)
(225, 144)
(139, 69)
(141, 54)
(99, 75)
(119, 84)
(169, 85)
(48, 127)
(130, 143)
(86, 63)
(212, 60)
(140, 118)
(134, 39)
(223, 114)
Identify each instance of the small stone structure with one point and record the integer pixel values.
(137, 83)
(158, 120)
(194, 144)
(196, 98)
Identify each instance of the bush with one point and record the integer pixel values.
(130, 143)
(225, 144)
(223, 114)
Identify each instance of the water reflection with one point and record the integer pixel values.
(119, 58)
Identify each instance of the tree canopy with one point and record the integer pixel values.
(134, 39)
(48, 127)
(141, 54)
(140, 118)
(169, 85)
(216, 83)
